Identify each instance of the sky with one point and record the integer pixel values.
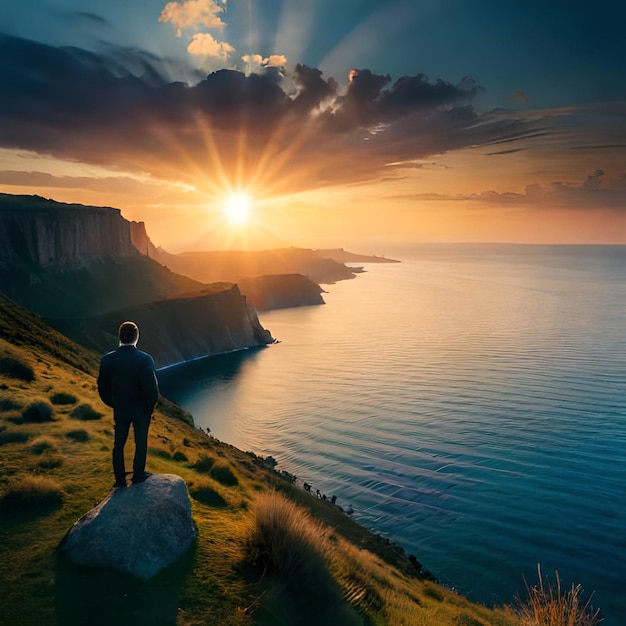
(322, 123)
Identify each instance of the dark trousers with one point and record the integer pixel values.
(141, 424)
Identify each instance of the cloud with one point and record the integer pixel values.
(588, 194)
(256, 61)
(204, 44)
(193, 14)
(121, 184)
(285, 130)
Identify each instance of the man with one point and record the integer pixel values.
(127, 382)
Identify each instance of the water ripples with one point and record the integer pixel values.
(472, 409)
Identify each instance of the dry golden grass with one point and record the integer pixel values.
(287, 542)
(15, 367)
(31, 493)
(42, 444)
(550, 604)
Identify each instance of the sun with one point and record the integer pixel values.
(237, 207)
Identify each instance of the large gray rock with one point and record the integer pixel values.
(139, 530)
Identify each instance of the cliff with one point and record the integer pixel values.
(45, 234)
(141, 241)
(234, 265)
(86, 270)
(281, 291)
(213, 321)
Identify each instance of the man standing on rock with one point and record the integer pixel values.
(127, 382)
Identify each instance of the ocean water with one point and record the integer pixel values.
(469, 403)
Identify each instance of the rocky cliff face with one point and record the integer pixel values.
(45, 234)
(141, 241)
(85, 270)
(176, 330)
(281, 291)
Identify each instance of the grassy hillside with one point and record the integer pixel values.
(267, 552)
(98, 287)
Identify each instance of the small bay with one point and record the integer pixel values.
(469, 403)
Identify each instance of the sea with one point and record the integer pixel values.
(468, 403)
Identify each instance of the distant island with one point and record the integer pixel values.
(343, 256)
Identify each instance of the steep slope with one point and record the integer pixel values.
(212, 321)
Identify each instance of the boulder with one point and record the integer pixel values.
(139, 530)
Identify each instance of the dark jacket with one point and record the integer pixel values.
(127, 381)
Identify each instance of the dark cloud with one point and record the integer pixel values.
(85, 17)
(121, 184)
(312, 90)
(123, 108)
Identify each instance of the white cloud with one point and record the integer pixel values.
(275, 60)
(256, 61)
(252, 59)
(193, 13)
(204, 44)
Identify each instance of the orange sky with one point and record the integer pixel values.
(354, 159)
(541, 191)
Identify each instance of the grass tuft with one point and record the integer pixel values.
(8, 404)
(12, 436)
(16, 368)
(50, 461)
(549, 604)
(78, 434)
(204, 464)
(223, 474)
(86, 412)
(31, 493)
(288, 543)
(37, 412)
(41, 445)
(207, 495)
(63, 398)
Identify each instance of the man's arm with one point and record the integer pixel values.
(149, 384)
(104, 383)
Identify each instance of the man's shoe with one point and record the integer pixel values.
(119, 484)
(141, 478)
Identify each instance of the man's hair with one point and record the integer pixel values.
(128, 332)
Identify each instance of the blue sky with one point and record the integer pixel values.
(457, 105)
(556, 52)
